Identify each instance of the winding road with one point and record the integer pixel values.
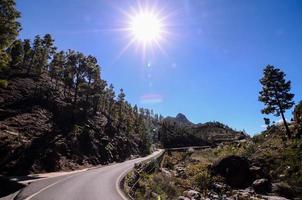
(98, 183)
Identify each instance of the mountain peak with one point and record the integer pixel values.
(182, 118)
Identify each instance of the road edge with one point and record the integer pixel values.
(119, 181)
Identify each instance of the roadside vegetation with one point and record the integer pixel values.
(278, 160)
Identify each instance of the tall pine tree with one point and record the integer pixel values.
(276, 94)
(9, 29)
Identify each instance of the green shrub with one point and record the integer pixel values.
(298, 113)
(203, 181)
(249, 150)
(3, 83)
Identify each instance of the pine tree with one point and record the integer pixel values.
(56, 66)
(298, 118)
(9, 28)
(110, 95)
(16, 53)
(276, 94)
(298, 113)
(100, 87)
(77, 62)
(68, 74)
(48, 50)
(121, 102)
(267, 122)
(36, 61)
(92, 74)
(27, 50)
(98, 93)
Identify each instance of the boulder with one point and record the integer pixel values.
(262, 186)
(180, 172)
(283, 189)
(247, 193)
(183, 198)
(213, 196)
(220, 187)
(154, 195)
(234, 169)
(166, 172)
(257, 172)
(193, 195)
(274, 198)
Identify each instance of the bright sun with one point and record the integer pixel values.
(146, 27)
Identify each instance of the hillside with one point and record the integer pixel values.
(179, 131)
(41, 129)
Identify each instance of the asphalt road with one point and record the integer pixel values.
(98, 183)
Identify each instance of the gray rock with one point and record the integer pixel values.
(262, 186)
(283, 189)
(180, 172)
(166, 172)
(193, 195)
(183, 198)
(154, 194)
(220, 187)
(275, 198)
(257, 172)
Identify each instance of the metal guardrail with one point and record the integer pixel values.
(157, 158)
(187, 148)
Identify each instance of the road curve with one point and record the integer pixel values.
(99, 183)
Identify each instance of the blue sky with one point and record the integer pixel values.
(210, 61)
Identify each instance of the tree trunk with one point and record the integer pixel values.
(88, 89)
(288, 133)
(75, 94)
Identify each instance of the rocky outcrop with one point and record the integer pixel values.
(235, 169)
(251, 180)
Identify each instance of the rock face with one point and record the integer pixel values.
(235, 169)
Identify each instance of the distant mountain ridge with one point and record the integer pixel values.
(179, 131)
(180, 118)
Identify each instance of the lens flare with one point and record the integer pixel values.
(146, 27)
